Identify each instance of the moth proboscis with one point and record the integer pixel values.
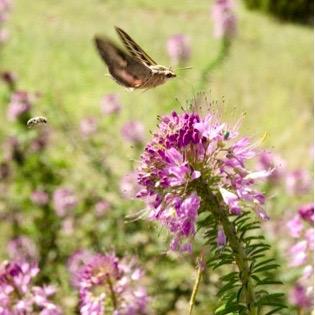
(134, 71)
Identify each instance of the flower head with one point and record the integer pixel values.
(298, 182)
(267, 161)
(64, 201)
(40, 142)
(39, 197)
(133, 132)
(129, 186)
(110, 104)
(300, 296)
(224, 19)
(23, 249)
(189, 152)
(306, 212)
(107, 283)
(88, 126)
(20, 104)
(19, 296)
(178, 49)
(75, 263)
(101, 207)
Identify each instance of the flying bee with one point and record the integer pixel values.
(36, 121)
(134, 71)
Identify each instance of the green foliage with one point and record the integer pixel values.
(262, 272)
(301, 11)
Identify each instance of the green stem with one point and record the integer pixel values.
(224, 49)
(195, 290)
(112, 292)
(239, 251)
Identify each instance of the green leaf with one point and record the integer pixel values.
(229, 309)
(267, 268)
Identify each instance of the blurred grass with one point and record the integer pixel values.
(268, 75)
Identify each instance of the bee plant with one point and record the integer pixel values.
(195, 181)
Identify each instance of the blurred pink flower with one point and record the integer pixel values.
(297, 254)
(101, 207)
(40, 142)
(75, 262)
(300, 297)
(88, 126)
(18, 294)
(178, 48)
(295, 226)
(221, 238)
(268, 160)
(67, 226)
(110, 104)
(224, 19)
(133, 131)
(306, 212)
(129, 186)
(108, 273)
(4, 35)
(298, 182)
(39, 197)
(23, 249)
(64, 201)
(5, 6)
(309, 236)
(20, 104)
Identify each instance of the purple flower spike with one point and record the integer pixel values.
(224, 19)
(178, 48)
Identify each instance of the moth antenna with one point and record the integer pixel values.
(184, 68)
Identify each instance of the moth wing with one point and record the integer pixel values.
(134, 48)
(124, 69)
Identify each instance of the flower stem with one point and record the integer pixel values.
(238, 249)
(112, 293)
(224, 49)
(195, 290)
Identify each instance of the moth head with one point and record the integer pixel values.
(170, 74)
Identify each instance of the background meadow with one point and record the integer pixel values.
(87, 152)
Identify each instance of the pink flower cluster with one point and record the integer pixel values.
(107, 285)
(178, 48)
(300, 254)
(224, 19)
(64, 201)
(20, 104)
(19, 296)
(186, 154)
(5, 8)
